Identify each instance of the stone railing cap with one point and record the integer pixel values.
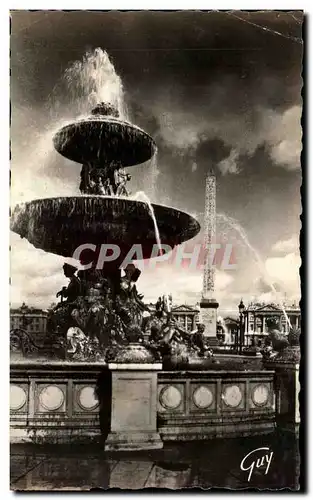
(135, 366)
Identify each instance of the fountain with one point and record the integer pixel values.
(100, 311)
(96, 364)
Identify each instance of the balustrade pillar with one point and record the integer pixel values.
(134, 407)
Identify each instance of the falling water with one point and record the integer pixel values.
(142, 195)
(235, 225)
(151, 178)
(94, 79)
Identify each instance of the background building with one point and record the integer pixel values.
(255, 316)
(231, 325)
(187, 316)
(31, 319)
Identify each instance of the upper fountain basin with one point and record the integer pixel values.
(104, 139)
(61, 225)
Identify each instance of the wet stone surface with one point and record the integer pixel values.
(210, 464)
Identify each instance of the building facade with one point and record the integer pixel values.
(31, 319)
(232, 327)
(256, 316)
(186, 316)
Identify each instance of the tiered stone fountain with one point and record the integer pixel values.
(100, 310)
(101, 314)
(98, 327)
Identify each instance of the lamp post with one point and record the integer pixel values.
(241, 308)
(236, 339)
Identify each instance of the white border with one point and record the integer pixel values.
(158, 5)
(4, 198)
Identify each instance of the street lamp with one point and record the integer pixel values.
(241, 308)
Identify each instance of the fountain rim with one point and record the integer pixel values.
(71, 128)
(106, 197)
(104, 119)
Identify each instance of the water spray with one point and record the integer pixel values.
(141, 195)
(235, 225)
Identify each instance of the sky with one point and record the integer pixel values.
(216, 90)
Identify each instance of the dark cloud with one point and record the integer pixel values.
(189, 48)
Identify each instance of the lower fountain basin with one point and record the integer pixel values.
(61, 225)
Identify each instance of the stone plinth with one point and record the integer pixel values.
(208, 316)
(134, 407)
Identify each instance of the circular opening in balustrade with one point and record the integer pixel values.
(202, 397)
(51, 397)
(170, 397)
(260, 395)
(86, 398)
(232, 396)
(17, 397)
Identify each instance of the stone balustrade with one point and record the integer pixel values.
(58, 402)
(55, 402)
(203, 405)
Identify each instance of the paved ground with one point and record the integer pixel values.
(207, 464)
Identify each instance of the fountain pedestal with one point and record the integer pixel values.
(134, 407)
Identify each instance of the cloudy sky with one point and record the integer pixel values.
(216, 90)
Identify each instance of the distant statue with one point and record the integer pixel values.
(198, 341)
(278, 339)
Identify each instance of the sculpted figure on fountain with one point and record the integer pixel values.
(98, 179)
(73, 290)
(173, 342)
(98, 313)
